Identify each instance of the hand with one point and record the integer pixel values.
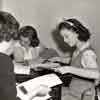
(60, 59)
(62, 70)
(97, 82)
(38, 69)
(42, 90)
(36, 61)
(26, 62)
(55, 59)
(56, 70)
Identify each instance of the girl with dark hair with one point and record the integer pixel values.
(84, 60)
(28, 46)
(31, 33)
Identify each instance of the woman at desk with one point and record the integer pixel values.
(26, 52)
(84, 60)
(28, 46)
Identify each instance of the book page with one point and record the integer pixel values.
(49, 80)
(21, 69)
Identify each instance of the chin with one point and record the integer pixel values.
(71, 45)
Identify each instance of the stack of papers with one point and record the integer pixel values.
(49, 80)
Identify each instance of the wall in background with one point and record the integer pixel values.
(45, 14)
(0, 4)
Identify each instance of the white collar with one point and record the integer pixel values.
(4, 46)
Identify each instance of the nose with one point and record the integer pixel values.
(65, 39)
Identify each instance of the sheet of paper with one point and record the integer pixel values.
(49, 80)
(20, 69)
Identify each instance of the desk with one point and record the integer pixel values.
(56, 90)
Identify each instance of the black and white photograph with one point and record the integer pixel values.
(49, 50)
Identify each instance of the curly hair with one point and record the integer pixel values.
(8, 26)
(77, 27)
(31, 33)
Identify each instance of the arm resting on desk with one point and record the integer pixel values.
(82, 72)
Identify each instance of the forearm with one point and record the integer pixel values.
(60, 59)
(83, 72)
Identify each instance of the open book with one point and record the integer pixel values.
(49, 80)
(21, 69)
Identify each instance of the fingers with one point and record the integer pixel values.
(56, 70)
(43, 90)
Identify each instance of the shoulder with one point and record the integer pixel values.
(89, 52)
(4, 56)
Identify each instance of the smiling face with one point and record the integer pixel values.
(69, 37)
(25, 41)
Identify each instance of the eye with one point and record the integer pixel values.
(65, 36)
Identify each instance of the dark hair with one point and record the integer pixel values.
(77, 27)
(8, 26)
(31, 33)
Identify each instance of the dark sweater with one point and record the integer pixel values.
(7, 78)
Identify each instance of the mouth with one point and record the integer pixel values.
(70, 44)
